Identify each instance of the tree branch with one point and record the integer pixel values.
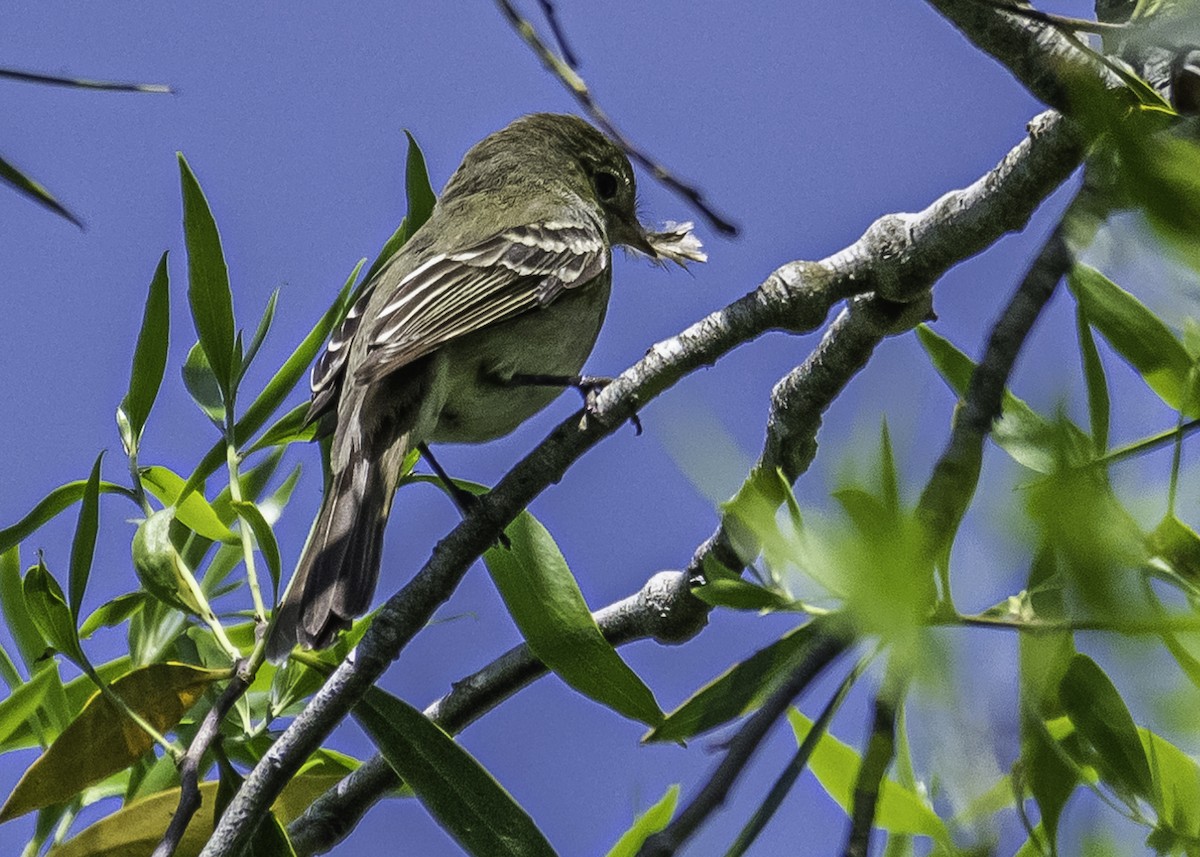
(899, 256)
(881, 747)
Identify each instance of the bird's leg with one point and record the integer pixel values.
(463, 499)
(589, 386)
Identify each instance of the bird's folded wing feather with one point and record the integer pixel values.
(456, 293)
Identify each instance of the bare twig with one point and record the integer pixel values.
(82, 83)
(189, 766)
(564, 71)
(560, 37)
(834, 637)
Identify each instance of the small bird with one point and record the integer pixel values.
(473, 326)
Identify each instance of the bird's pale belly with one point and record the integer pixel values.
(479, 404)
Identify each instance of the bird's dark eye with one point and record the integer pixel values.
(606, 185)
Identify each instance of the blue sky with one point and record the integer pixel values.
(802, 122)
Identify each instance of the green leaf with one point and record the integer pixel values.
(292, 427)
(56, 501)
(83, 547)
(158, 564)
(101, 741)
(112, 613)
(25, 634)
(1099, 406)
(1176, 796)
(34, 190)
(282, 383)
(208, 281)
(264, 325)
(738, 594)
(150, 356)
(547, 606)
(22, 704)
(1029, 438)
(1162, 174)
(266, 540)
(421, 199)
(49, 611)
(1135, 333)
(1178, 545)
(459, 792)
(741, 688)
(899, 810)
(1100, 716)
(194, 511)
(647, 824)
(202, 384)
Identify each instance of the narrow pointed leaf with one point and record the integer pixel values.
(20, 706)
(51, 505)
(34, 190)
(280, 385)
(545, 602)
(83, 547)
(49, 611)
(421, 197)
(1099, 406)
(195, 512)
(202, 384)
(647, 824)
(264, 326)
(150, 355)
(103, 740)
(1100, 716)
(112, 613)
(265, 538)
(742, 687)
(25, 634)
(292, 427)
(208, 280)
(459, 792)
(1135, 333)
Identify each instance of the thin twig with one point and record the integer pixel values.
(834, 637)
(189, 766)
(578, 87)
(82, 83)
(881, 747)
(551, 14)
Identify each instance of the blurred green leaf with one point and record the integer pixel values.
(25, 634)
(56, 501)
(195, 512)
(545, 602)
(149, 356)
(1178, 545)
(1100, 716)
(83, 546)
(1099, 406)
(49, 611)
(112, 613)
(202, 384)
(1176, 795)
(34, 190)
(738, 594)
(742, 687)
(1162, 174)
(208, 282)
(282, 383)
(646, 825)
(266, 540)
(1135, 333)
(464, 798)
(1029, 438)
(899, 810)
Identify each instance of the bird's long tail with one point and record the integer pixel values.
(339, 567)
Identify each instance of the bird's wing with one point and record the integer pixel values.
(455, 293)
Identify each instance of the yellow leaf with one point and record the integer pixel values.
(103, 740)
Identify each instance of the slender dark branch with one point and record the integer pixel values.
(663, 610)
(833, 638)
(82, 83)
(579, 88)
(556, 30)
(189, 766)
(881, 747)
